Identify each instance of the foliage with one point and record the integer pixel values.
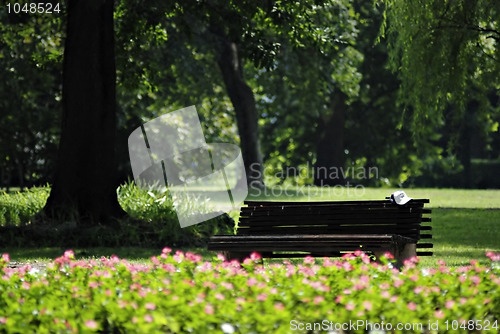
(155, 207)
(295, 96)
(181, 293)
(20, 207)
(446, 52)
(30, 95)
(151, 221)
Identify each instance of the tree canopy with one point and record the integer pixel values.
(445, 52)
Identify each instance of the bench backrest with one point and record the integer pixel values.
(338, 217)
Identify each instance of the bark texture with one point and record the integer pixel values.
(243, 101)
(84, 187)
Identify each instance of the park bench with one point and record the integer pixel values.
(298, 229)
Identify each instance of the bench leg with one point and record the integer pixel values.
(400, 253)
(407, 252)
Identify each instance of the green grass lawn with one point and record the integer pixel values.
(466, 224)
(439, 198)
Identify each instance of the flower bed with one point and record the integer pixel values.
(179, 293)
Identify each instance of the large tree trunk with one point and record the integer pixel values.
(246, 113)
(330, 155)
(84, 184)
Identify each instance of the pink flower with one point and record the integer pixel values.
(178, 257)
(148, 318)
(444, 269)
(475, 279)
(364, 279)
(69, 254)
(122, 303)
(349, 306)
(255, 256)
(210, 285)
(318, 299)
(219, 296)
(279, 306)
(3, 320)
(449, 304)
(309, 260)
(262, 297)
(435, 289)
(389, 256)
(411, 306)
(418, 289)
(493, 256)
(209, 309)
(439, 314)
(347, 266)
(367, 305)
(251, 281)
(358, 253)
(327, 262)
(385, 286)
(91, 324)
(195, 258)
(385, 294)
(228, 286)
(398, 283)
(150, 306)
(221, 257)
(5, 257)
(166, 250)
(169, 267)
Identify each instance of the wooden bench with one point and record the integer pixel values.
(297, 229)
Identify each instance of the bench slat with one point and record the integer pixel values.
(285, 210)
(304, 220)
(369, 202)
(425, 253)
(301, 242)
(323, 230)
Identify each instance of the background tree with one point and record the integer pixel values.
(305, 97)
(447, 57)
(30, 91)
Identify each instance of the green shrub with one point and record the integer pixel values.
(19, 208)
(180, 293)
(151, 221)
(155, 206)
